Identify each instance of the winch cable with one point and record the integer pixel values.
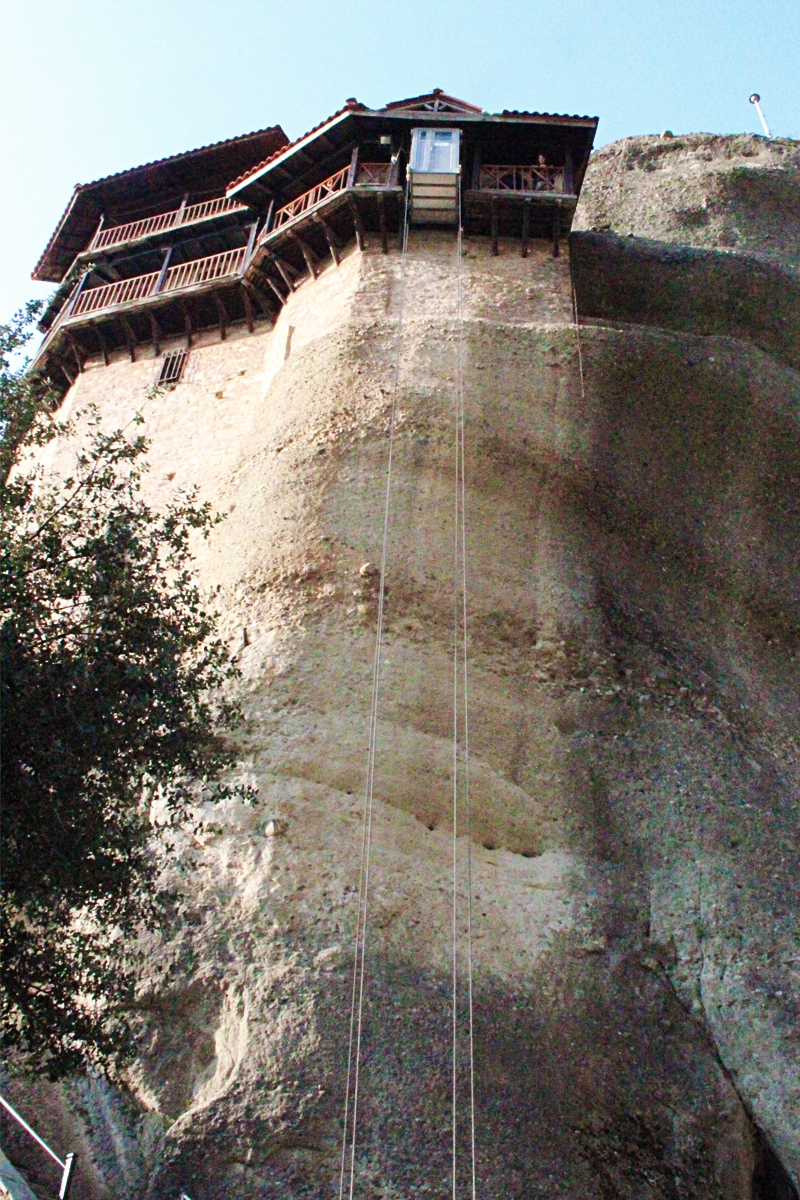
(461, 722)
(357, 998)
(577, 324)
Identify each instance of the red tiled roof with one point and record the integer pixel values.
(348, 106)
(513, 112)
(157, 162)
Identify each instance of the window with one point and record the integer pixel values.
(435, 151)
(172, 366)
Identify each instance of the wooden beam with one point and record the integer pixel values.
(248, 309)
(330, 238)
(272, 284)
(476, 169)
(128, 334)
(63, 365)
(307, 252)
(557, 229)
(359, 228)
(382, 220)
(163, 272)
(526, 228)
(97, 331)
(257, 294)
(248, 254)
(283, 269)
(155, 331)
(223, 317)
(187, 318)
(75, 347)
(351, 174)
(495, 250)
(568, 172)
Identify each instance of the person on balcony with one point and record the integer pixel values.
(542, 171)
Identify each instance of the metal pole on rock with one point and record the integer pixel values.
(756, 99)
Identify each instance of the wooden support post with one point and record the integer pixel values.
(65, 312)
(223, 317)
(248, 254)
(557, 230)
(97, 232)
(476, 169)
(495, 250)
(283, 269)
(526, 228)
(155, 331)
(568, 180)
(268, 222)
(307, 253)
(248, 309)
(162, 275)
(351, 174)
(330, 238)
(255, 293)
(187, 318)
(129, 335)
(97, 331)
(76, 350)
(382, 220)
(359, 228)
(181, 210)
(272, 284)
(63, 366)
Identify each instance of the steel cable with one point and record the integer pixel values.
(357, 997)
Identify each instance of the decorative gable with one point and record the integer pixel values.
(436, 101)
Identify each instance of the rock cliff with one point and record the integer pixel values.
(633, 528)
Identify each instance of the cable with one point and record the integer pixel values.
(577, 325)
(357, 998)
(460, 669)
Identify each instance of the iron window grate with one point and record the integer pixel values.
(172, 366)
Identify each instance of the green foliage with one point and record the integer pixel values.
(113, 694)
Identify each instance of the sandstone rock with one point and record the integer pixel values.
(632, 550)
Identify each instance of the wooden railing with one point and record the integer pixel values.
(310, 199)
(110, 295)
(203, 270)
(377, 174)
(521, 179)
(115, 235)
(184, 275)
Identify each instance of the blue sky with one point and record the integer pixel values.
(88, 87)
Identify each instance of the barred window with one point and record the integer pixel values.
(172, 366)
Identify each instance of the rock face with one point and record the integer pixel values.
(632, 539)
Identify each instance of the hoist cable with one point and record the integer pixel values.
(461, 717)
(577, 324)
(357, 998)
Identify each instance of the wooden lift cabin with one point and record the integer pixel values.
(223, 234)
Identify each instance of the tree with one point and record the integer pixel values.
(115, 689)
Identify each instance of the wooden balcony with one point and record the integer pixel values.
(380, 175)
(310, 199)
(127, 292)
(499, 178)
(192, 214)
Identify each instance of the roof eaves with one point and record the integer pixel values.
(508, 112)
(54, 235)
(156, 162)
(172, 158)
(287, 151)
